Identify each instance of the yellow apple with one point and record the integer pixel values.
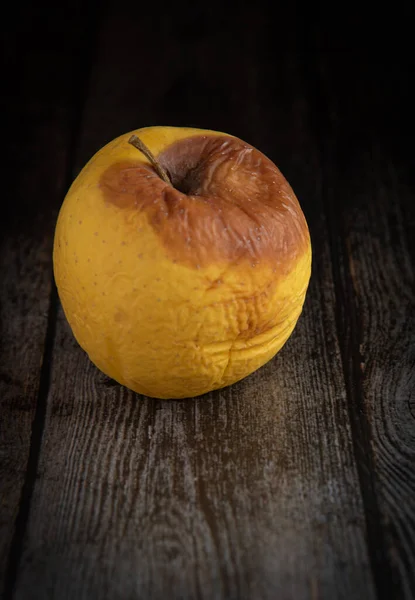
(181, 286)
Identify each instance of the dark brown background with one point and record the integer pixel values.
(298, 482)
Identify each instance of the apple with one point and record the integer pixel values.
(182, 260)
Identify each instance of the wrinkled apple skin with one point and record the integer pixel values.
(177, 292)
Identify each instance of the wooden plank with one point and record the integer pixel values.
(369, 174)
(250, 492)
(39, 101)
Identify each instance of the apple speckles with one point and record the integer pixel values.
(119, 316)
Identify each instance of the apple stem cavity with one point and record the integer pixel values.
(137, 143)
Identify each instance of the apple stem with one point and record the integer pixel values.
(137, 143)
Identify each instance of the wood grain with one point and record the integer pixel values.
(26, 285)
(371, 210)
(40, 102)
(251, 492)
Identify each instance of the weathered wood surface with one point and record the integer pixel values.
(41, 106)
(297, 482)
(371, 206)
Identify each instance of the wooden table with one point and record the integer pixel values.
(296, 483)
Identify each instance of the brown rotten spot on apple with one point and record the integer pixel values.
(227, 202)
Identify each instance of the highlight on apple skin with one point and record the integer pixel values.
(182, 283)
